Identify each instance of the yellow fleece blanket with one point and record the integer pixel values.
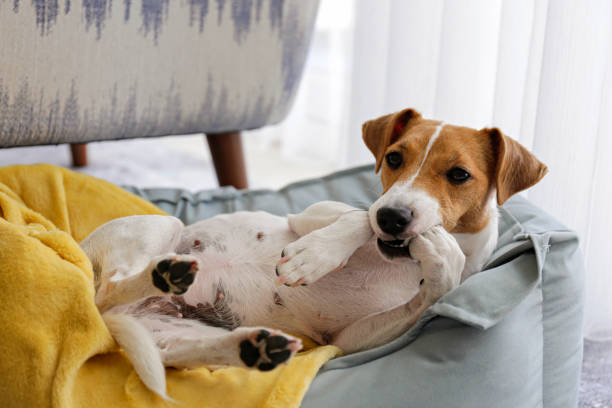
(54, 347)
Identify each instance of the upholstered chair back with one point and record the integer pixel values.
(73, 71)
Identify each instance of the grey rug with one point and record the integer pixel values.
(596, 380)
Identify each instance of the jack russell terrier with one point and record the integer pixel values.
(227, 290)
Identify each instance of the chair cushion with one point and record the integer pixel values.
(510, 336)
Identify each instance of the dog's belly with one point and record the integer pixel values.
(238, 254)
(366, 285)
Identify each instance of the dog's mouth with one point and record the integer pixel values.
(397, 248)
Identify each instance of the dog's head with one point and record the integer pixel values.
(438, 174)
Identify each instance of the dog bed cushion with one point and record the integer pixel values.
(510, 336)
(54, 347)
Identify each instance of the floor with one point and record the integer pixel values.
(178, 161)
(596, 379)
(184, 162)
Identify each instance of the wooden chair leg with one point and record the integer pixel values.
(79, 154)
(228, 158)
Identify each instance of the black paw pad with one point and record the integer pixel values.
(159, 282)
(249, 353)
(280, 356)
(174, 276)
(276, 342)
(266, 352)
(164, 265)
(266, 366)
(276, 349)
(262, 335)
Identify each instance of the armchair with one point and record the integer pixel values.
(81, 71)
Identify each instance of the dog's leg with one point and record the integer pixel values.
(125, 246)
(257, 348)
(442, 262)
(330, 233)
(318, 215)
(169, 274)
(186, 343)
(139, 249)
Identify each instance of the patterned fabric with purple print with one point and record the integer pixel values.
(85, 70)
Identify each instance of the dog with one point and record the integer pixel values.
(229, 289)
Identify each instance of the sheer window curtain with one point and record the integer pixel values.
(538, 69)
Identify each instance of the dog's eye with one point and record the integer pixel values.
(457, 175)
(394, 159)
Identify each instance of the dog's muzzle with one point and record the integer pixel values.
(394, 222)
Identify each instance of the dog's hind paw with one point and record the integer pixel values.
(264, 350)
(174, 274)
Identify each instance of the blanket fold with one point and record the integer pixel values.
(54, 347)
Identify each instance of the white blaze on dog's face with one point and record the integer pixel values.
(439, 174)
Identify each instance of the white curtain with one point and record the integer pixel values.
(540, 70)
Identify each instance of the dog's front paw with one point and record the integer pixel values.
(441, 259)
(309, 259)
(174, 274)
(264, 350)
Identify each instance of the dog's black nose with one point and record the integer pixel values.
(393, 220)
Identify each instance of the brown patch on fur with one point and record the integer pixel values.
(260, 236)
(159, 305)
(326, 337)
(384, 131)
(516, 169)
(196, 244)
(277, 299)
(217, 314)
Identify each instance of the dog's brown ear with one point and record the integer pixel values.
(516, 168)
(379, 133)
